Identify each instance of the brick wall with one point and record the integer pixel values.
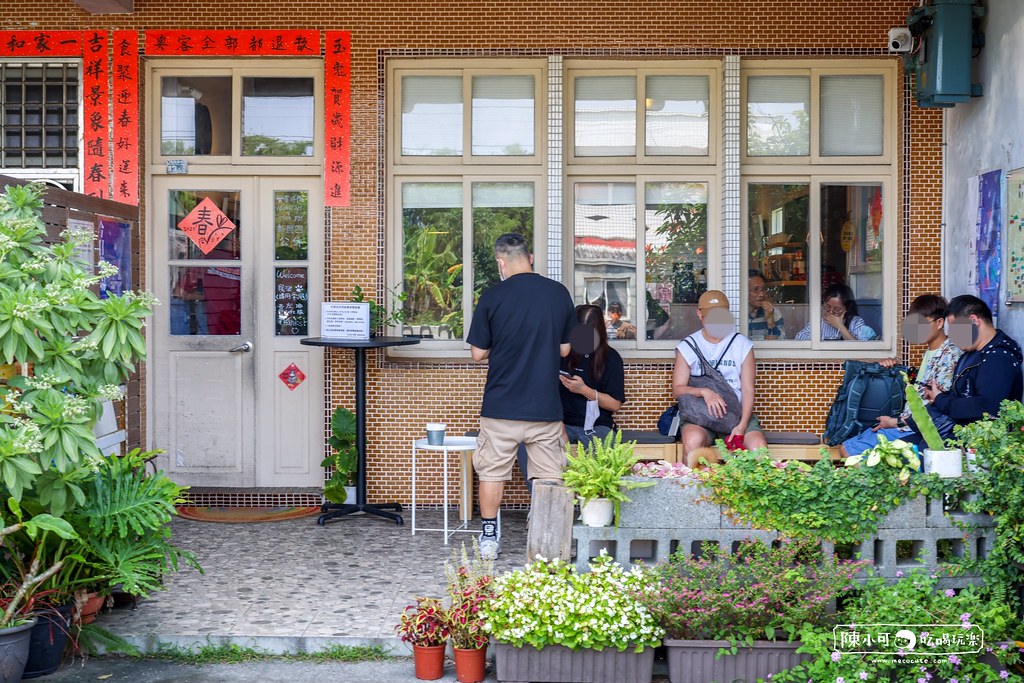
(403, 396)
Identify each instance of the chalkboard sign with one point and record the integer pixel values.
(291, 302)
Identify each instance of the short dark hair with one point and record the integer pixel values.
(615, 307)
(511, 245)
(967, 305)
(754, 272)
(931, 306)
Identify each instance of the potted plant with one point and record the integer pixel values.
(897, 454)
(918, 617)
(551, 623)
(729, 616)
(380, 318)
(599, 475)
(345, 459)
(424, 625)
(945, 461)
(469, 587)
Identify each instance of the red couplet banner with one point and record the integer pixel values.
(337, 118)
(234, 43)
(96, 103)
(126, 117)
(40, 44)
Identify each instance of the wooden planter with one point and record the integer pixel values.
(694, 660)
(558, 664)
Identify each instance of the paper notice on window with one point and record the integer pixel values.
(345, 320)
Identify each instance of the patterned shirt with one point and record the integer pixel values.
(939, 366)
(858, 328)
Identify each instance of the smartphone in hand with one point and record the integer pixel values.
(564, 373)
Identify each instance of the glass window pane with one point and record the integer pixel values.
(195, 115)
(503, 115)
(291, 302)
(677, 115)
(432, 115)
(604, 249)
(778, 116)
(189, 207)
(432, 257)
(851, 262)
(676, 255)
(851, 115)
(498, 208)
(291, 234)
(277, 117)
(205, 300)
(605, 116)
(777, 260)
(24, 143)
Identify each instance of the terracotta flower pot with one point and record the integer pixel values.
(429, 661)
(470, 665)
(94, 603)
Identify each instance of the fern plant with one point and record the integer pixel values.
(345, 459)
(600, 470)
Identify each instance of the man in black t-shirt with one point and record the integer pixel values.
(521, 327)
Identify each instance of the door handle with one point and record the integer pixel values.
(245, 346)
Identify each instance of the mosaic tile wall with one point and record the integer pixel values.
(403, 396)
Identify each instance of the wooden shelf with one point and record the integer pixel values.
(786, 283)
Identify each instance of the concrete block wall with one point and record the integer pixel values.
(671, 516)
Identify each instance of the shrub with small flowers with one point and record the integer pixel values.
(549, 603)
(914, 602)
(662, 470)
(757, 593)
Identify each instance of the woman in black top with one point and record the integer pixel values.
(593, 370)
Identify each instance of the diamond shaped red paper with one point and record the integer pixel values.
(206, 225)
(292, 376)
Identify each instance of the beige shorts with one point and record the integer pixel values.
(499, 440)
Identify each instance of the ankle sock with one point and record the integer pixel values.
(490, 525)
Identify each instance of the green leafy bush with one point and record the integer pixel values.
(548, 603)
(756, 593)
(913, 602)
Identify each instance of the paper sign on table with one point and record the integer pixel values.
(345, 320)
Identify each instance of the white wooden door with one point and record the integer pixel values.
(237, 263)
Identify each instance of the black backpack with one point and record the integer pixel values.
(868, 391)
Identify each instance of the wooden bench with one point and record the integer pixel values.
(653, 445)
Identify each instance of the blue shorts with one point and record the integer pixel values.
(869, 439)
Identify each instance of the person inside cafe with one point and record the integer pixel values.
(763, 319)
(839, 319)
(617, 327)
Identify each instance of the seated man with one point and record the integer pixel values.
(988, 373)
(928, 312)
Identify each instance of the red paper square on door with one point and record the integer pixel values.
(206, 225)
(292, 376)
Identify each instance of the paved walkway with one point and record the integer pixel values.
(294, 586)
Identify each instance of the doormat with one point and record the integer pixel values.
(243, 515)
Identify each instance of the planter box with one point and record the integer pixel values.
(694, 660)
(558, 664)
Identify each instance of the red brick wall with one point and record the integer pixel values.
(402, 397)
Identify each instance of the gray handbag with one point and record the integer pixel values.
(694, 410)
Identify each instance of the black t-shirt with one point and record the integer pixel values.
(523, 321)
(612, 382)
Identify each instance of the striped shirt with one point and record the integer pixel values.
(858, 328)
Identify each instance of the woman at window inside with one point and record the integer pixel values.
(839, 319)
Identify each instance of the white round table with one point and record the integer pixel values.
(464, 446)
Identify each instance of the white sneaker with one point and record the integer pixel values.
(490, 546)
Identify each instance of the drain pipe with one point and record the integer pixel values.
(944, 218)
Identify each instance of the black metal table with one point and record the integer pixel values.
(359, 346)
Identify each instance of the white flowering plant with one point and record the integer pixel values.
(549, 603)
(70, 516)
